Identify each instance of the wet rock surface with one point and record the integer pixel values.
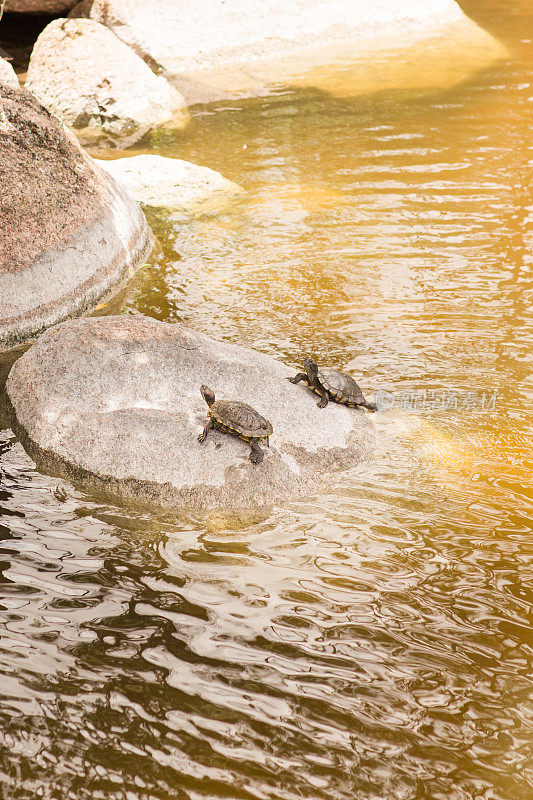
(93, 82)
(114, 402)
(173, 184)
(69, 234)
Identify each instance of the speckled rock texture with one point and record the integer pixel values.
(39, 6)
(114, 402)
(69, 234)
(7, 75)
(93, 82)
(213, 50)
(170, 183)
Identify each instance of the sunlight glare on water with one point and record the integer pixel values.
(373, 642)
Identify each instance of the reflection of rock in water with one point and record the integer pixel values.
(439, 61)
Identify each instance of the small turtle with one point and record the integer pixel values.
(331, 384)
(237, 418)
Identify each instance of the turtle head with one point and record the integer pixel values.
(311, 368)
(208, 395)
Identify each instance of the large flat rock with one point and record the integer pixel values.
(69, 234)
(95, 83)
(114, 402)
(214, 50)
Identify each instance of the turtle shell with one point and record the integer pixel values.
(240, 419)
(341, 386)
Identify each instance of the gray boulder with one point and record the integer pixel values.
(8, 76)
(214, 50)
(93, 82)
(173, 184)
(69, 234)
(114, 402)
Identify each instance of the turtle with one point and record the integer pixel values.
(240, 419)
(331, 384)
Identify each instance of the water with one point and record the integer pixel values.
(375, 642)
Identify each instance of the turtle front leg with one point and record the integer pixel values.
(324, 399)
(297, 378)
(256, 454)
(207, 427)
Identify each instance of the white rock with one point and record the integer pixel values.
(173, 184)
(69, 234)
(214, 49)
(93, 82)
(114, 402)
(7, 75)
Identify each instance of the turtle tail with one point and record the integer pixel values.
(370, 406)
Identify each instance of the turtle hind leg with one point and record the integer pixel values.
(256, 454)
(207, 427)
(297, 378)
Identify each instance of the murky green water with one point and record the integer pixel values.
(372, 643)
